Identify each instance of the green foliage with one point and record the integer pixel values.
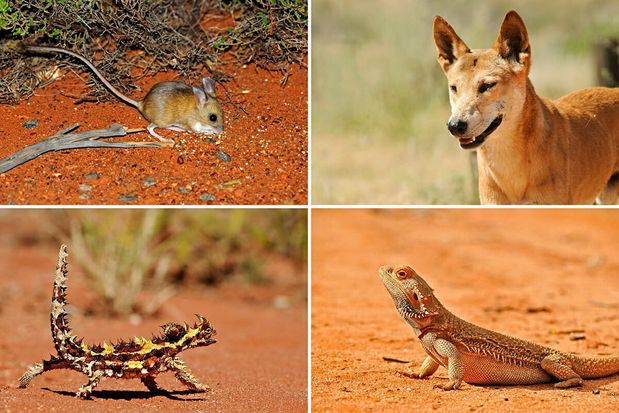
(170, 34)
(272, 33)
(126, 253)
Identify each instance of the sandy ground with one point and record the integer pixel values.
(261, 158)
(258, 364)
(536, 274)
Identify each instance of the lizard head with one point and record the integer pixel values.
(413, 297)
(182, 337)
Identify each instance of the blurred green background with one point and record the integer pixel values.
(135, 259)
(380, 102)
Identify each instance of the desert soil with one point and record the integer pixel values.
(259, 363)
(261, 158)
(549, 276)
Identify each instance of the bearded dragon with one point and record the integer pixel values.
(476, 355)
(139, 358)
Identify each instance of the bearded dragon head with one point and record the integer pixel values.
(413, 297)
(182, 336)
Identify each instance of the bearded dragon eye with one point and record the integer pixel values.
(402, 273)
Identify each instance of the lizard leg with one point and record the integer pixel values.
(38, 368)
(85, 391)
(183, 374)
(428, 367)
(150, 383)
(558, 366)
(455, 368)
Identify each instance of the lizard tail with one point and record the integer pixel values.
(593, 367)
(65, 342)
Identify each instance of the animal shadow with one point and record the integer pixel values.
(133, 394)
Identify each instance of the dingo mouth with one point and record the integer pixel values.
(475, 142)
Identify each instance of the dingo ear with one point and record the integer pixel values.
(513, 41)
(448, 45)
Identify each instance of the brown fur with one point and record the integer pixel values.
(563, 151)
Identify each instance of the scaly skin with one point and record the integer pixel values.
(137, 358)
(479, 356)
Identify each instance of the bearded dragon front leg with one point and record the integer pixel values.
(455, 368)
(427, 368)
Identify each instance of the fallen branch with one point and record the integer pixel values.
(63, 140)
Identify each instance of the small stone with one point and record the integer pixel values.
(183, 190)
(575, 336)
(205, 197)
(149, 181)
(596, 391)
(224, 156)
(84, 196)
(84, 188)
(208, 139)
(92, 175)
(281, 302)
(128, 198)
(180, 160)
(31, 124)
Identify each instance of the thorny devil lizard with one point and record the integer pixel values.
(479, 356)
(138, 358)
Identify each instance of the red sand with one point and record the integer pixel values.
(268, 149)
(259, 363)
(534, 274)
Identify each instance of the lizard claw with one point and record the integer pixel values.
(409, 375)
(446, 387)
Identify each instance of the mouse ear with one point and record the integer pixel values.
(200, 95)
(209, 85)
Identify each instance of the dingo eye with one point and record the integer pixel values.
(486, 86)
(453, 88)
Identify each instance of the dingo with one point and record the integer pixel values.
(530, 150)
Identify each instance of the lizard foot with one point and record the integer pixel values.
(82, 394)
(451, 385)
(409, 375)
(573, 382)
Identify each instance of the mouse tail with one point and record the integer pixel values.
(116, 92)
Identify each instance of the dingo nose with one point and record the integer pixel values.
(457, 127)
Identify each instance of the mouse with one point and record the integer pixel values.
(172, 105)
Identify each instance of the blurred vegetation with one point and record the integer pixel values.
(126, 253)
(380, 102)
(130, 39)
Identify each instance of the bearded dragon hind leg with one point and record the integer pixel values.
(558, 366)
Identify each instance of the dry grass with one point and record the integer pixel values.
(380, 102)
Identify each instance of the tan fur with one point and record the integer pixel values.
(563, 151)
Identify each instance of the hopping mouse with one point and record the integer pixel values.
(170, 105)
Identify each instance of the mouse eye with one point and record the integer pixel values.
(453, 89)
(212, 117)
